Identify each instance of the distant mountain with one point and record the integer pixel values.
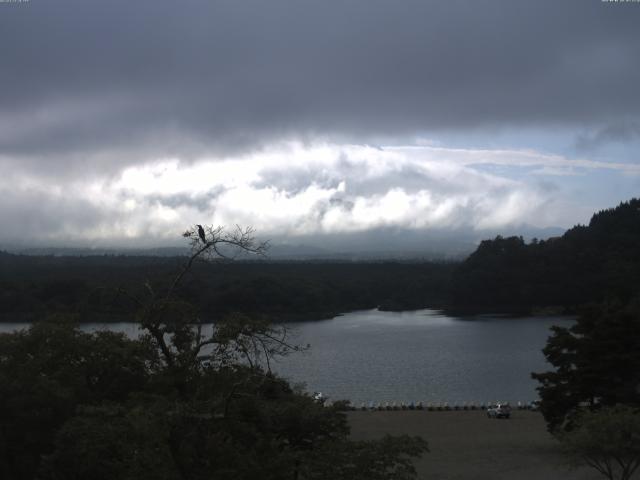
(377, 244)
(295, 252)
(587, 264)
(394, 243)
(90, 252)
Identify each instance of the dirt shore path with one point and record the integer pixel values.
(468, 445)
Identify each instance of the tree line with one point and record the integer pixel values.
(282, 291)
(587, 264)
(592, 263)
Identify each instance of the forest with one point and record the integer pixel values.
(281, 291)
(589, 263)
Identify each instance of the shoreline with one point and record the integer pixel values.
(312, 316)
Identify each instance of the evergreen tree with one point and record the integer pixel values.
(597, 363)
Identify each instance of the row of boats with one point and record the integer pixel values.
(438, 406)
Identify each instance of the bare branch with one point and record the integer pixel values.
(180, 339)
(241, 240)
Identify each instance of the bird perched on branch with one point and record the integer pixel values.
(201, 234)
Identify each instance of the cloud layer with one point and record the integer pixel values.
(129, 120)
(297, 190)
(198, 77)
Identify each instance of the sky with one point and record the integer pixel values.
(123, 123)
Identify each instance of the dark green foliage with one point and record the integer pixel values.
(109, 442)
(494, 270)
(46, 373)
(587, 264)
(175, 404)
(32, 286)
(100, 406)
(597, 363)
(607, 440)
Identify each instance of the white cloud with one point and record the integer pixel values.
(326, 188)
(301, 189)
(557, 171)
(511, 158)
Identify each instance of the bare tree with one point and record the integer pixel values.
(175, 326)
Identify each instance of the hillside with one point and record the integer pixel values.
(587, 264)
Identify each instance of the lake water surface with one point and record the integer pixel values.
(415, 356)
(421, 356)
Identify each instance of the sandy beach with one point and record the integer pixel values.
(468, 445)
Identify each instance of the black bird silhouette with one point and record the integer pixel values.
(201, 234)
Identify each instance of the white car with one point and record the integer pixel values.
(500, 410)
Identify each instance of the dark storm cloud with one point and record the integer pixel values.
(36, 218)
(618, 132)
(143, 78)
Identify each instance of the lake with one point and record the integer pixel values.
(415, 356)
(421, 356)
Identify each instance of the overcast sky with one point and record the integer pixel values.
(125, 122)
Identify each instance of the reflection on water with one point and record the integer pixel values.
(411, 356)
(421, 356)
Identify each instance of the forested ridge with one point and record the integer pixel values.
(31, 286)
(592, 263)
